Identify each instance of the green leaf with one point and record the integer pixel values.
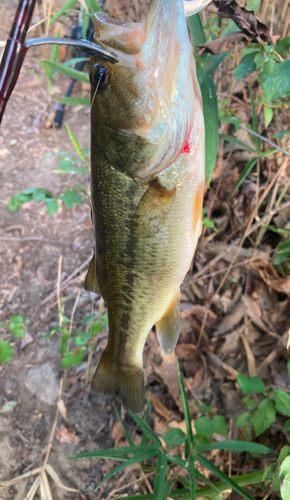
(185, 408)
(177, 461)
(174, 437)
(137, 458)
(204, 408)
(286, 426)
(95, 7)
(268, 115)
(191, 471)
(64, 340)
(279, 136)
(246, 66)
(243, 419)
(160, 477)
(282, 401)
(82, 337)
(96, 328)
(276, 82)
(60, 68)
(285, 478)
(52, 207)
(264, 417)
(116, 453)
(285, 451)
(209, 223)
(17, 329)
(250, 384)
(126, 432)
(75, 144)
(255, 122)
(282, 45)
(81, 101)
(221, 475)
(211, 122)
(71, 198)
(234, 140)
(72, 62)
(6, 352)
(236, 446)
(8, 406)
(220, 425)
(248, 168)
(279, 230)
(147, 430)
(204, 425)
(72, 358)
(195, 26)
(284, 247)
(70, 4)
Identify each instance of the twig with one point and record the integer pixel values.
(58, 290)
(67, 280)
(70, 330)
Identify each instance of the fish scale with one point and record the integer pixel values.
(147, 174)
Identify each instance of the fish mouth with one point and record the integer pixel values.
(152, 86)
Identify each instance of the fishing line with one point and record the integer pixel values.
(92, 299)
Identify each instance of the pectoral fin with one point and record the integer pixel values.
(91, 282)
(168, 326)
(153, 208)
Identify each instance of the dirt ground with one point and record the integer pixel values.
(28, 275)
(31, 244)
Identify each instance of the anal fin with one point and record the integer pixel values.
(91, 282)
(168, 326)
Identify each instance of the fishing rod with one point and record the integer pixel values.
(17, 47)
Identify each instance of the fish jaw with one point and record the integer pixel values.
(146, 115)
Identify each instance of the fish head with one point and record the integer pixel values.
(145, 108)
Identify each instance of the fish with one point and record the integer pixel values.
(147, 186)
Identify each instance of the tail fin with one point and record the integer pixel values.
(126, 382)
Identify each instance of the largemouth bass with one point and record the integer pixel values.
(147, 179)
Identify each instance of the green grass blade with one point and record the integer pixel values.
(126, 432)
(234, 140)
(73, 100)
(70, 4)
(145, 418)
(268, 153)
(238, 446)
(75, 60)
(160, 477)
(195, 26)
(191, 471)
(185, 407)
(211, 122)
(147, 430)
(205, 480)
(138, 457)
(247, 169)
(116, 452)
(167, 488)
(255, 122)
(247, 479)
(177, 461)
(179, 493)
(147, 496)
(60, 68)
(221, 475)
(75, 144)
(95, 7)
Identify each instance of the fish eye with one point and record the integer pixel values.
(99, 77)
